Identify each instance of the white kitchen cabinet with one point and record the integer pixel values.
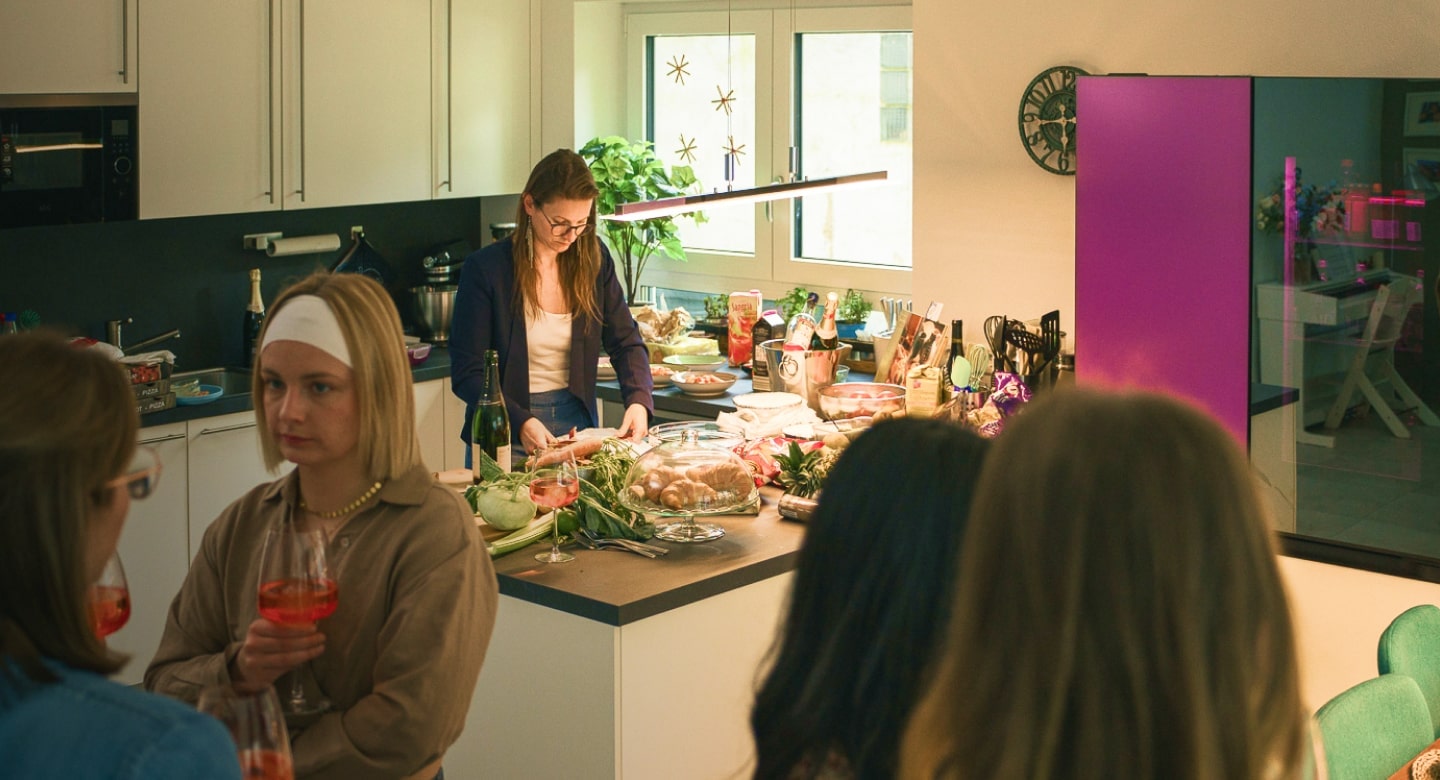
(484, 139)
(430, 422)
(454, 423)
(264, 104)
(155, 553)
(225, 462)
(68, 46)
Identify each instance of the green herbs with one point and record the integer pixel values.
(599, 507)
(792, 302)
(717, 307)
(853, 307)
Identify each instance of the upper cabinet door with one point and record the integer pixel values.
(485, 141)
(208, 114)
(68, 46)
(356, 102)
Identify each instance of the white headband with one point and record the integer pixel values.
(308, 320)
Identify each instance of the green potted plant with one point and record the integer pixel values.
(792, 302)
(628, 171)
(851, 313)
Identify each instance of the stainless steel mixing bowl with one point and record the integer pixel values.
(434, 305)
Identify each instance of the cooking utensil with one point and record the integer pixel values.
(1031, 344)
(434, 305)
(584, 539)
(995, 336)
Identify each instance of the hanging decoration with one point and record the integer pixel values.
(733, 150)
(677, 69)
(724, 101)
(686, 151)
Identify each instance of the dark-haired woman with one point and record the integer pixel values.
(871, 597)
(547, 299)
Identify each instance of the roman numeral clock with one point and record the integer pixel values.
(1047, 119)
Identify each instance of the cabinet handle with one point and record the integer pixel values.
(301, 117)
(449, 104)
(270, 91)
(159, 439)
(226, 429)
(124, 72)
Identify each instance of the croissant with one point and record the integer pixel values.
(655, 481)
(686, 494)
(725, 477)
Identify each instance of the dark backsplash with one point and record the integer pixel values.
(193, 273)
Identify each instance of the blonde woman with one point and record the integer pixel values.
(400, 656)
(69, 469)
(1119, 611)
(547, 299)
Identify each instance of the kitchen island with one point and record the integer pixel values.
(619, 666)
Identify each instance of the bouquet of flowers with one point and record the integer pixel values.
(1319, 209)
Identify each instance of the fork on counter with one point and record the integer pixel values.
(589, 541)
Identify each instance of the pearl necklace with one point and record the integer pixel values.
(348, 508)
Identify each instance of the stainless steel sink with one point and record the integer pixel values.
(234, 381)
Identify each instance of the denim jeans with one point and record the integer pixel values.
(557, 410)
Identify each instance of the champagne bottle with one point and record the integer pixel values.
(490, 428)
(254, 319)
(827, 336)
(802, 326)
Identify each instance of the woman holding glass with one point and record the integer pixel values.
(69, 469)
(547, 299)
(411, 587)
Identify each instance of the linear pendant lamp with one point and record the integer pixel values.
(669, 207)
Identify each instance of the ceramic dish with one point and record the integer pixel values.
(818, 431)
(604, 370)
(203, 394)
(861, 399)
(768, 402)
(695, 362)
(661, 374)
(703, 383)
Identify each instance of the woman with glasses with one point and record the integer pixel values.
(69, 469)
(547, 299)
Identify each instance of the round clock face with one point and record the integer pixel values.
(1047, 119)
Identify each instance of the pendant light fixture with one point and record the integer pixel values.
(789, 186)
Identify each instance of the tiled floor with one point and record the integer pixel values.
(1373, 489)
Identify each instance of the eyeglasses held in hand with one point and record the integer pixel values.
(143, 475)
(559, 227)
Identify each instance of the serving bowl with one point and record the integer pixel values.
(695, 362)
(418, 353)
(703, 383)
(861, 399)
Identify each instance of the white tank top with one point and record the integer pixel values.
(548, 338)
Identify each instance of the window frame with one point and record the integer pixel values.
(773, 268)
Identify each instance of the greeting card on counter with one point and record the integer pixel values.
(921, 342)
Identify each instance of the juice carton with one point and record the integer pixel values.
(744, 311)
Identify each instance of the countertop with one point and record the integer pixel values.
(437, 366)
(616, 588)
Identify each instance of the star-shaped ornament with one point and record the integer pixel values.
(687, 149)
(725, 100)
(677, 69)
(734, 151)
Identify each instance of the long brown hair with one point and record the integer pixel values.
(1119, 611)
(562, 174)
(384, 389)
(67, 427)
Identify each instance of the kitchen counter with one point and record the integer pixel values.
(437, 366)
(620, 588)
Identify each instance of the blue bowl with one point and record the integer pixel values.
(210, 393)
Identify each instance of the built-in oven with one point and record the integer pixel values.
(67, 159)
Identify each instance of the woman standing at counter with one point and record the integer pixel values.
(547, 299)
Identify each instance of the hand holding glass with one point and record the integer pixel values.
(110, 599)
(257, 726)
(554, 488)
(295, 589)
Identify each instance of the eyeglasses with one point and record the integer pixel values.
(143, 475)
(559, 228)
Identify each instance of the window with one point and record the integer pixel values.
(837, 84)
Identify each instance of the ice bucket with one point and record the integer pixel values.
(802, 372)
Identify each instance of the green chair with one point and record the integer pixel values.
(1370, 730)
(1411, 646)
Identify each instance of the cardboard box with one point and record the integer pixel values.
(926, 390)
(145, 373)
(151, 389)
(157, 403)
(770, 326)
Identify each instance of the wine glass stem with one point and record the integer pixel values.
(297, 688)
(555, 533)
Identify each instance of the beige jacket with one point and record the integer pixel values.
(402, 652)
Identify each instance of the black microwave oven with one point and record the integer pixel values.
(67, 159)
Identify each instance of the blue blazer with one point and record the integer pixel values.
(486, 318)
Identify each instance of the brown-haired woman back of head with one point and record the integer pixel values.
(1119, 611)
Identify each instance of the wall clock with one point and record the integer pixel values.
(1047, 119)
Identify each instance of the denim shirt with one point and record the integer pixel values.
(85, 726)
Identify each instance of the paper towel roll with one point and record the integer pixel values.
(304, 245)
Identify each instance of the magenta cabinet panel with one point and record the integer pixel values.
(1162, 238)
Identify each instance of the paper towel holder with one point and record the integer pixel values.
(261, 241)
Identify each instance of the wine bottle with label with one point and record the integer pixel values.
(490, 428)
(254, 320)
(802, 326)
(827, 335)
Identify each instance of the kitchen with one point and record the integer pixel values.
(991, 231)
